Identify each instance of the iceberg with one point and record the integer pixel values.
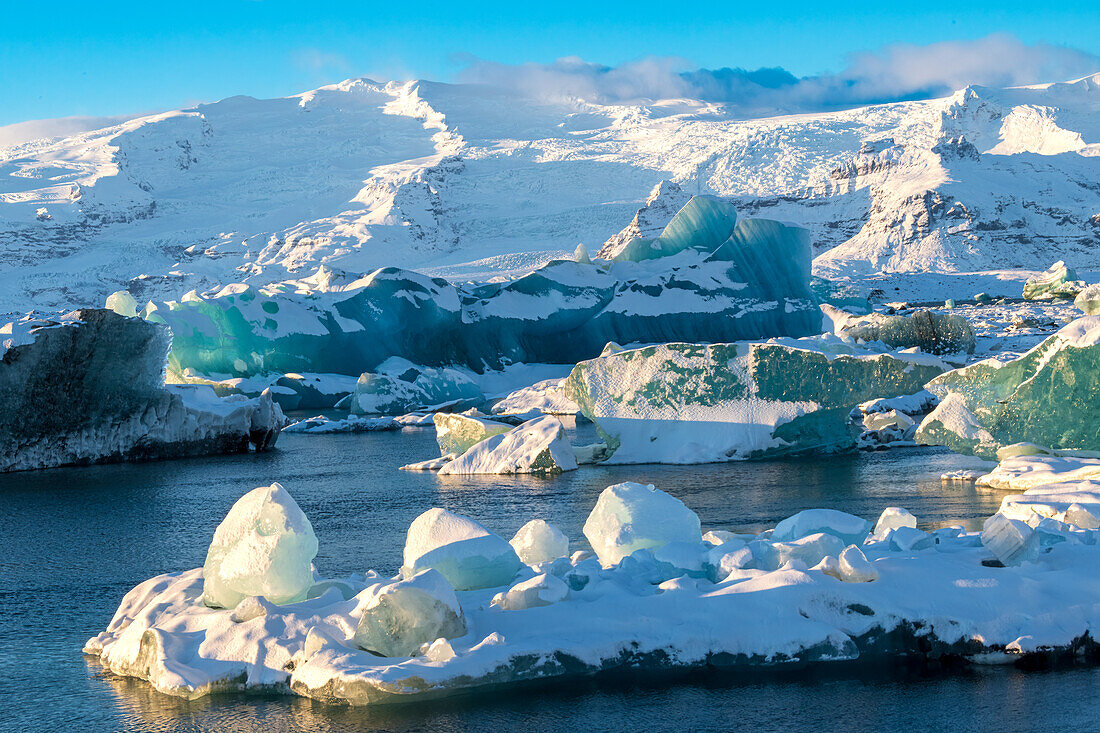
(1047, 396)
(1060, 281)
(1088, 300)
(264, 547)
(539, 541)
(547, 397)
(693, 403)
(468, 555)
(402, 387)
(630, 516)
(934, 333)
(88, 387)
(122, 303)
(321, 425)
(718, 280)
(400, 618)
(457, 433)
(537, 446)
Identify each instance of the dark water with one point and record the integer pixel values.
(73, 541)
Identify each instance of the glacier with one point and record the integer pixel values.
(88, 387)
(1046, 396)
(931, 594)
(694, 403)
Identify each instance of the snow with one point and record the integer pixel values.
(468, 555)
(401, 617)
(537, 446)
(574, 616)
(539, 541)
(630, 516)
(263, 547)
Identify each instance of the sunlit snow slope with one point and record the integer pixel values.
(467, 181)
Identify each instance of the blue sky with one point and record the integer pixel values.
(103, 58)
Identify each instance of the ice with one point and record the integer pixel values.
(1059, 281)
(855, 567)
(539, 541)
(892, 517)
(468, 555)
(541, 590)
(401, 617)
(691, 403)
(321, 425)
(88, 387)
(580, 255)
(931, 332)
(456, 433)
(536, 446)
(909, 539)
(547, 396)
(591, 454)
(263, 547)
(1010, 540)
(847, 527)
(403, 387)
(122, 303)
(851, 298)
(631, 516)
(679, 558)
(722, 282)
(1088, 300)
(809, 550)
(432, 464)
(1047, 396)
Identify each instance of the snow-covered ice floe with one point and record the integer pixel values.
(547, 396)
(1048, 396)
(692, 403)
(537, 446)
(88, 387)
(664, 599)
(942, 334)
(1060, 281)
(321, 425)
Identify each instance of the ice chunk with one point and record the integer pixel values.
(1088, 300)
(1010, 540)
(403, 616)
(458, 433)
(809, 549)
(541, 590)
(847, 527)
(630, 516)
(321, 425)
(590, 454)
(891, 518)
(854, 566)
(1060, 281)
(263, 547)
(690, 403)
(1047, 396)
(539, 541)
(432, 464)
(468, 555)
(931, 332)
(405, 387)
(580, 255)
(88, 387)
(536, 446)
(547, 396)
(909, 539)
(122, 303)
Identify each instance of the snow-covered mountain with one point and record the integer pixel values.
(468, 181)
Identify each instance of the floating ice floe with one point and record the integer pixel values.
(1060, 281)
(457, 433)
(468, 555)
(263, 547)
(537, 446)
(400, 387)
(547, 396)
(88, 387)
(692, 403)
(1047, 396)
(931, 332)
(754, 604)
(321, 425)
